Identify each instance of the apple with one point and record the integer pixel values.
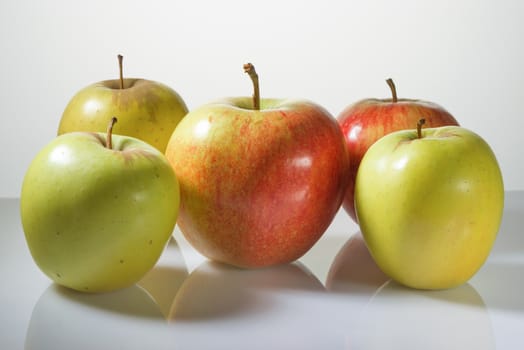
(146, 109)
(260, 179)
(429, 203)
(97, 211)
(365, 121)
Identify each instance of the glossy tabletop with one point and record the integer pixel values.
(333, 298)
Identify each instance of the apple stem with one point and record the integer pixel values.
(419, 127)
(250, 69)
(393, 89)
(109, 138)
(120, 66)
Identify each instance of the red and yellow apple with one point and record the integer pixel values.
(146, 109)
(429, 204)
(365, 121)
(260, 179)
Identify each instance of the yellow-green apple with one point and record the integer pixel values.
(258, 186)
(429, 203)
(365, 121)
(146, 109)
(97, 210)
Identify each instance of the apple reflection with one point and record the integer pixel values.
(391, 316)
(353, 270)
(398, 317)
(217, 291)
(276, 307)
(353, 278)
(67, 319)
(163, 281)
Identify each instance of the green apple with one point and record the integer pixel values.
(146, 109)
(429, 204)
(97, 214)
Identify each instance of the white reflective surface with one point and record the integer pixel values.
(333, 298)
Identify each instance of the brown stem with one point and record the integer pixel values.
(109, 138)
(419, 127)
(120, 66)
(250, 69)
(393, 89)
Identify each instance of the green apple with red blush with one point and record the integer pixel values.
(261, 179)
(146, 109)
(367, 120)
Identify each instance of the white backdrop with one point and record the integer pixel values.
(467, 55)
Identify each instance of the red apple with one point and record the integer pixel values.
(261, 179)
(365, 121)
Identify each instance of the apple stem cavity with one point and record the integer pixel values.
(250, 69)
(109, 137)
(419, 127)
(393, 90)
(121, 69)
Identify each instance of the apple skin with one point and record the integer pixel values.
(145, 109)
(258, 188)
(96, 219)
(429, 209)
(365, 121)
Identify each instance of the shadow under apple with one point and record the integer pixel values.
(217, 291)
(67, 319)
(275, 307)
